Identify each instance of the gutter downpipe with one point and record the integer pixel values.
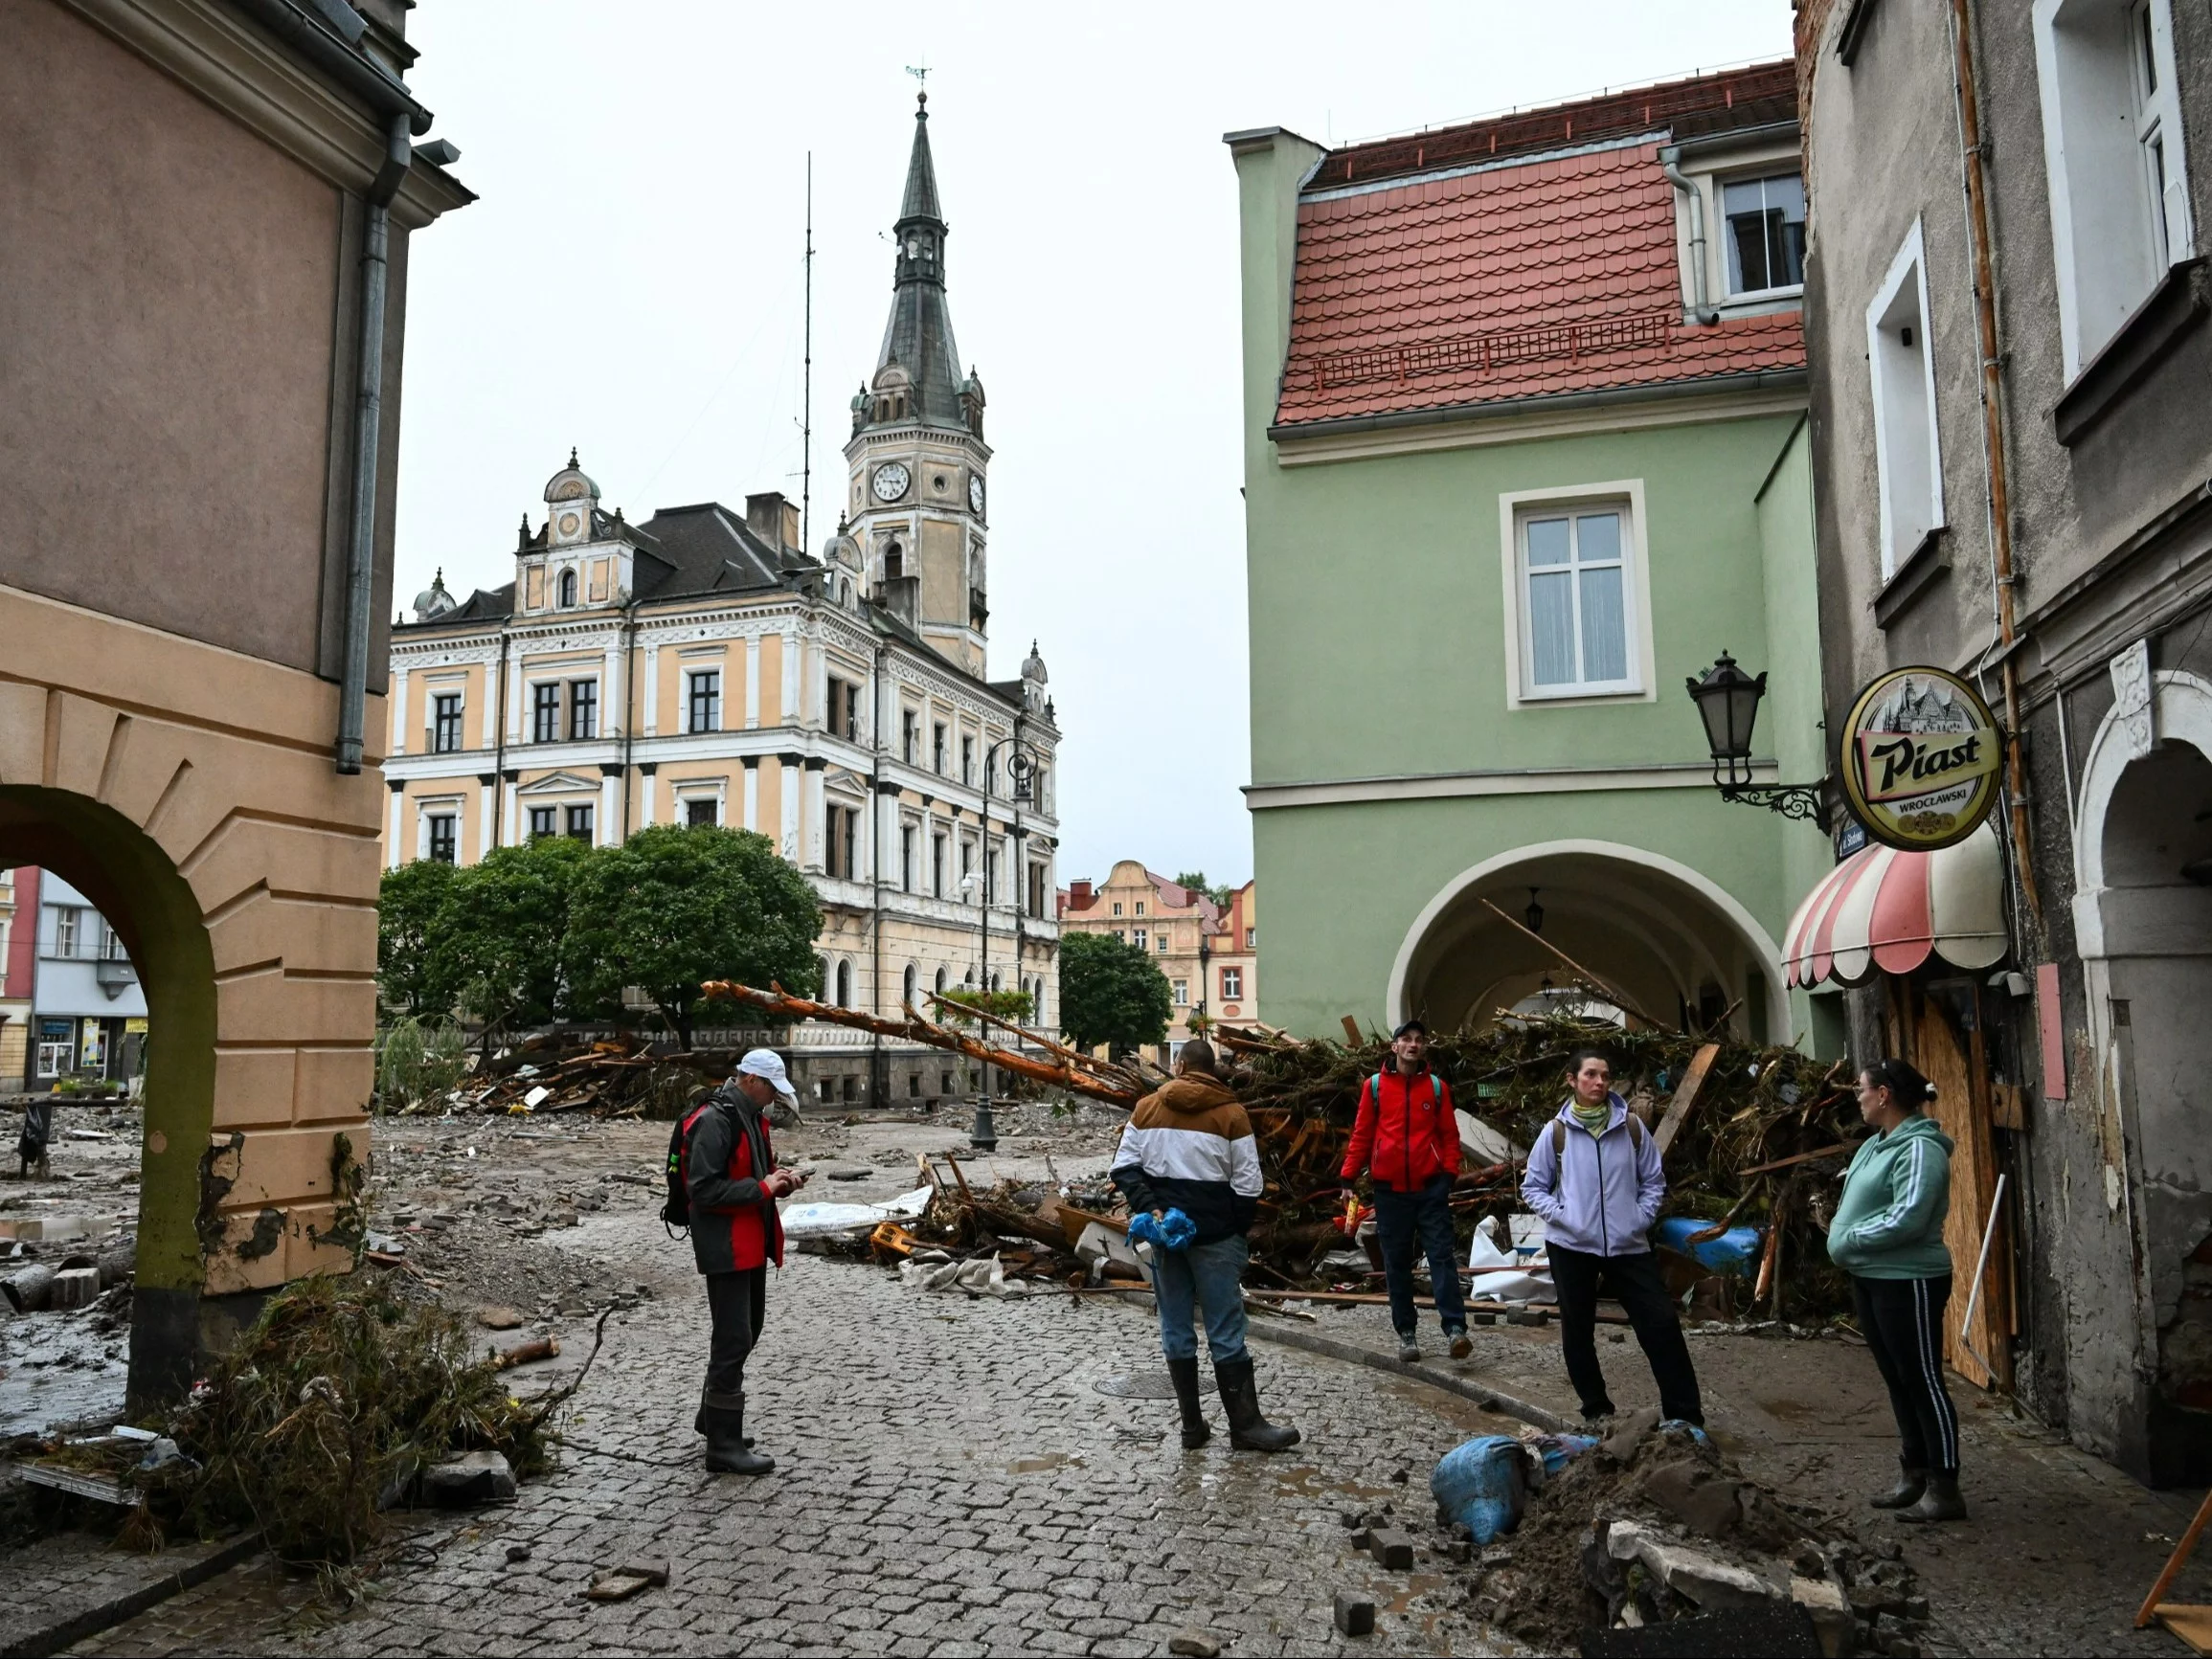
(1670, 162)
(367, 418)
(878, 1069)
(499, 745)
(1992, 387)
(629, 702)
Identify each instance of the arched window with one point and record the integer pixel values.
(823, 964)
(912, 982)
(994, 981)
(941, 981)
(894, 561)
(844, 984)
(568, 588)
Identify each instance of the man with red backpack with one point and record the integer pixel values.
(727, 1172)
(1407, 1139)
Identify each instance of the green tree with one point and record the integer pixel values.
(1110, 992)
(1196, 882)
(1015, 1007)
(504, 928)
(412, 976)
(673, 907)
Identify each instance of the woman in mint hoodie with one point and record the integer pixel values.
(1888, 1236)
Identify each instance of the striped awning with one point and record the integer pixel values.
(1884, 911)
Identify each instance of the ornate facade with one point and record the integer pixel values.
(702, 667)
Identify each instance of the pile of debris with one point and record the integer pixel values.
(1652, 1527)
(1756, 1138)
(339, 1404)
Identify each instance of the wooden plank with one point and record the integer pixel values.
(1973, 1188)
(2193, 1625)
(2174, 1563)
(1686, 1096)
(1783, 1163)
(1352, 1031)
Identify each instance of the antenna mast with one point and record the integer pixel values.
(806, 393)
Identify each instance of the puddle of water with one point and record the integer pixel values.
(1044, 1462)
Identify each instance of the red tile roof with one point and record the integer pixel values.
(1552, 277)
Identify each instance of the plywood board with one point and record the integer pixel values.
(1960, 1108)
(2193, 1625)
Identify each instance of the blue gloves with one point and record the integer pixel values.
(1173, 1231)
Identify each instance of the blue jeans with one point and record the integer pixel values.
(1213, 1274)
(1422, 1219)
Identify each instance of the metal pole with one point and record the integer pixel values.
(985, 1133)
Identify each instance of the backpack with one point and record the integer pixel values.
(1374, 1087)
(1636, 1134)
(676, 1208)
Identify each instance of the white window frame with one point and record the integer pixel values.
(1232, 984)
(1708, 172)
(1718, 183)
(1902, 532)
(713, 788)
(2111, 240)
(1515, 509)
(1140, 937)
(1182, 991)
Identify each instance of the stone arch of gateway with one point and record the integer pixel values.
(188, 792)
(1671, 939)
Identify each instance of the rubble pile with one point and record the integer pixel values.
(620, 1078)
(1651, 1527)
(331, 1410)
(1755, 1138)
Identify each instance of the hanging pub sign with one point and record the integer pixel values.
(1920, 758)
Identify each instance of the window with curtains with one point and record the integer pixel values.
(1578, 632)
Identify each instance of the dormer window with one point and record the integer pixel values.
(1766, 233)
(568, 589)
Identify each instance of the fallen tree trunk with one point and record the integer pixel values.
(921, 1030)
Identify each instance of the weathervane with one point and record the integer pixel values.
(921, 75)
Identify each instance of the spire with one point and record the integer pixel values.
(917, 371)
(921, 173)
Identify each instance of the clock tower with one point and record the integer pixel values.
(916, 498)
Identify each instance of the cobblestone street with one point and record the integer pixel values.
(949, 1480)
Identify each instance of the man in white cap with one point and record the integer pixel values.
(730, 1176)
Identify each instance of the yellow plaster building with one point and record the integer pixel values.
(700, 667)
(1209, 954)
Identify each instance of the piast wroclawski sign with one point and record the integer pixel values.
(1920, 759)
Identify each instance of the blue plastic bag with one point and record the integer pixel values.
(1484, 1485)
(1173, 1231)
(1735, 1251)
(1557, 1449)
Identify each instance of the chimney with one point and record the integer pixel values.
(774, 519)
(1079, 896)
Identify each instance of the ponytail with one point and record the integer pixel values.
(1906, 1086)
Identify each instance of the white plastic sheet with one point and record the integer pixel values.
(813, 1221)
(1529, 1286)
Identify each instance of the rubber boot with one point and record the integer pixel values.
(1247, 1429)
(1184, 1375)
(727, 1452)
(1940, 1502)
(1910, 1483)
(699, 1422)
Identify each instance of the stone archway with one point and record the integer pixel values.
(1666, 935)
(188, 790)
(2141, 1358)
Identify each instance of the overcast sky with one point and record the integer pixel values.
(630, 282)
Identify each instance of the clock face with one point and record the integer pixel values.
(891, 482)
(570, 523)
(975, 493)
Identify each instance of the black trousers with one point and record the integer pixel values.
(738, 1302)
(1903, 1321)
(1409, 1226)
(1635, 1282)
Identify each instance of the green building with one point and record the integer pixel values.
(1525, 449)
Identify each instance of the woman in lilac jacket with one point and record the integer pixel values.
(1594, 1177)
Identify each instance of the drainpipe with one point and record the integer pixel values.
(1670, 162)
(499, 745)
(367, 418)
(629, 703)
(2000, 506)
(878, 1067)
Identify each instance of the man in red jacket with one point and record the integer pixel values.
(1407, 1139)
(730, 1171)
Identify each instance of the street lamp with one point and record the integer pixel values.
(1727, 700)
(1022, 764)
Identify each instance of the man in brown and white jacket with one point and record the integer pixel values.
(1189, 1147)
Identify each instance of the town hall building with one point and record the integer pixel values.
(700, 666)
